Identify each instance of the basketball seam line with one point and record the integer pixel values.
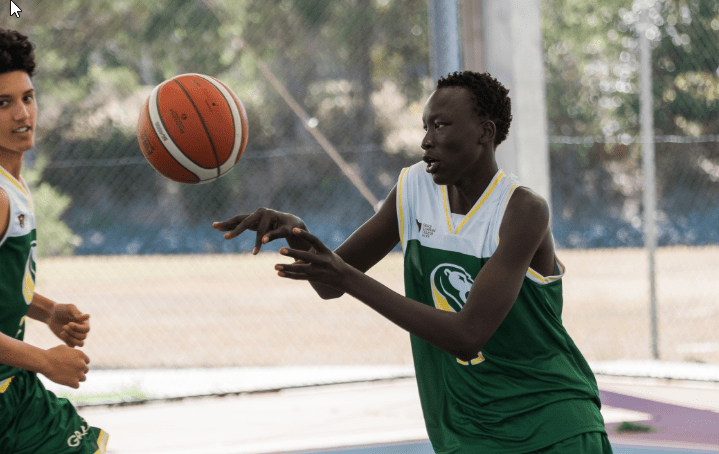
(169, 137)
(234, 125)
(204, 126)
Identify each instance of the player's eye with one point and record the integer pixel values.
(3, 103)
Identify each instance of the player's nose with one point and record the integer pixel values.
(20, 112)
(427, 141)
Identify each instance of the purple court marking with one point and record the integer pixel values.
(672, 423)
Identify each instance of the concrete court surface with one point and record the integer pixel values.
(682, 414)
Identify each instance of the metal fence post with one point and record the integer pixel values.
(443, 38)
(648, 165)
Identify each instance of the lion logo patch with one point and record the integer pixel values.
(450, 287)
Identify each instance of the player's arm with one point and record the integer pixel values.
(369, 244)
(65, 320)
(61, 364)
(463, 334)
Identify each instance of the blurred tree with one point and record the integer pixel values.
(592, 73)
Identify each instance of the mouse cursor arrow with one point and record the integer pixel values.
(14, 9)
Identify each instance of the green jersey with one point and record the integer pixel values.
(529, 387)
(17, 262)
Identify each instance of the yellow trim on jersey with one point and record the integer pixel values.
(102, 442)
(476, 360)
(401, 209)
(5, 383)
(477, 206)
(13, 181)
(538, 278)
(446, 208)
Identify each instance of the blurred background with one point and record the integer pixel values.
(137, 251)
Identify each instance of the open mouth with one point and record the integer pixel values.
(431, 164)
(22, 129)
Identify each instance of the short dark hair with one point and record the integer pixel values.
(16, 52)
(490, 98)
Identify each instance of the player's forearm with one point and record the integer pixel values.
(443, 329)
(40, 308)
(22, 355)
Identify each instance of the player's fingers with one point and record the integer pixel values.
(297, 267)
(313, 240)
(304, 256)
(248, 222)
(74, 335)
(230, 223)
(72, 341)
(280, 232)
(78, 328)
(294, 276)
(264, 225)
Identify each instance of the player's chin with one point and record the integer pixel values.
(440, 179)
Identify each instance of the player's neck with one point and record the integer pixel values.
(464, 194)
(11, 162)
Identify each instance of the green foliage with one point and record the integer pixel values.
(54, 237)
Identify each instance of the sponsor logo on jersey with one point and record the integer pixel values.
(450, 287)
(425, 229)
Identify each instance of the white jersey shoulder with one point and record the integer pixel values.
(425, 215)
(22, 213)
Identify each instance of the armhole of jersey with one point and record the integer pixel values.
(9, 218)
(401, 208)
(543, 280)
(531, 274)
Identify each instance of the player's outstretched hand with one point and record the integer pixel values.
(69, 324)
(318, 265)
(66, 366)
(269, 225)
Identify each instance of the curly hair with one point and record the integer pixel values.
(490, 98)
(16, 52)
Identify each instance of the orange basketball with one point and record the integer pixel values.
(192, 128)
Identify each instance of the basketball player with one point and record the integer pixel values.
(497, 372)
(32, 419)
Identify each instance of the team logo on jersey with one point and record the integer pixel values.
(28, 281)
(450, 287)
(21, 220)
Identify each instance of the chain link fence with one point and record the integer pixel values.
(137, 251)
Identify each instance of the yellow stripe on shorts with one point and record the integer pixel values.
(102, 442)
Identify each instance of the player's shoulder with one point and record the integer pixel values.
(526, 206)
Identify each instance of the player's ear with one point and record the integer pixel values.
(489, 131)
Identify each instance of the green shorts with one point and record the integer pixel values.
(34, 420)
(587, 443)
